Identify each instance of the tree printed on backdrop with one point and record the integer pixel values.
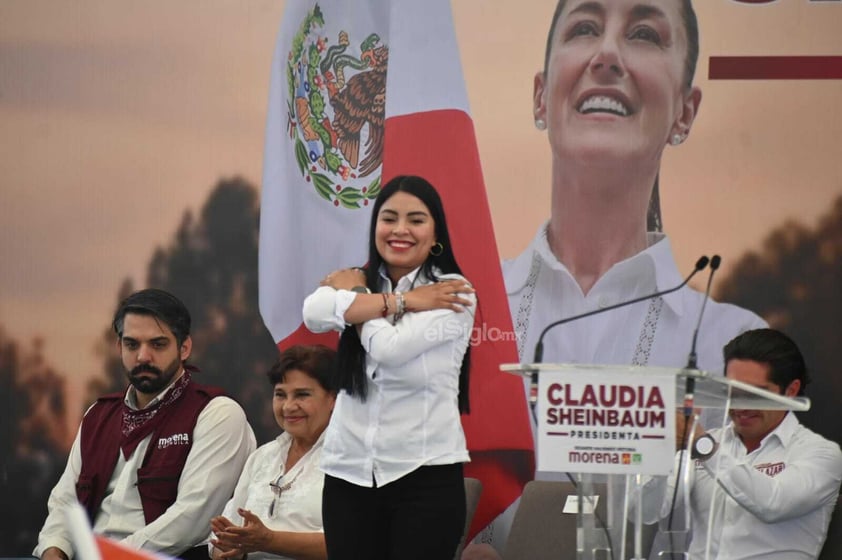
(34, 440)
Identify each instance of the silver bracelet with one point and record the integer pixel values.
(400, 306)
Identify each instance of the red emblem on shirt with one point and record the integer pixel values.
(771, 469)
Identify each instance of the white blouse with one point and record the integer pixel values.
(297, 508)
(411, 415)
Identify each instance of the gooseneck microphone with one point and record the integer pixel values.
(539, 347)
(690, 387)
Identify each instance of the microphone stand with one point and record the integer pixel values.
(689, 393)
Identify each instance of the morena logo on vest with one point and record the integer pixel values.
(175, 439)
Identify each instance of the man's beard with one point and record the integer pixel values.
(153, 385)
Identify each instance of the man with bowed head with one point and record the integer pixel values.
(152, 465)
(773, 482)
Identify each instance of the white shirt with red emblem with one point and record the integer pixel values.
(774, 503)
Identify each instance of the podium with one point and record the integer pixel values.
(612, 430)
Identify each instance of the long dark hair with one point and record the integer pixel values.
(350, 353)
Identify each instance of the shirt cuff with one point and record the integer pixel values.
(58, 542)
(344, 299)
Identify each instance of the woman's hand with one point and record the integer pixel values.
(439, 295)
(224, 545)
(344, 279)
(235, 541)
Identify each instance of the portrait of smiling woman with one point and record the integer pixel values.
(615, 94)
(394, 451)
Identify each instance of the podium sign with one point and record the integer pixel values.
(605, 421)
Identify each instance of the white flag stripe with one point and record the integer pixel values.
(426, 82)
(302, 236)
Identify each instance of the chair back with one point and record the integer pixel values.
(540, 529)
(473, 490)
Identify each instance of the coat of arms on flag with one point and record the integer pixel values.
(337, 110)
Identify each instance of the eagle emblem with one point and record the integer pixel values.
(337, 111)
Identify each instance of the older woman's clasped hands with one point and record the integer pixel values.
(233, 541)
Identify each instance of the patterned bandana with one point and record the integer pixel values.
(137, 424)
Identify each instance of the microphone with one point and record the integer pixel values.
(690, 387)
(539, 347)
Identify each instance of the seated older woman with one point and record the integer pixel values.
(279, 495)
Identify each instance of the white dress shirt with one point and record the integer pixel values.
(298, 508)
(774, 503)
(541, 290)
(222, 441)
(411, 415)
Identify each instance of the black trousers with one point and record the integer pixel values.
(421, 516)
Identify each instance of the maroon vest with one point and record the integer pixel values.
(158, 475)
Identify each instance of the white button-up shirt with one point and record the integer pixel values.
(222, 441)
(410, 417)
(774, 503)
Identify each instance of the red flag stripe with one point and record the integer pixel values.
(304, 336)
(775, 68)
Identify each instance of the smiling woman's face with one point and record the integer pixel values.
(614, 86)
(302, 407)
(405, 232)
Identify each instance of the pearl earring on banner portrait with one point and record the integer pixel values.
(540, 124)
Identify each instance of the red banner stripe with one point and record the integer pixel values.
(775, 68)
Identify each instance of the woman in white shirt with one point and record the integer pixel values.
(278, 498)
(393, 455)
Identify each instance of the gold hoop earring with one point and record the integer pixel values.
(438, 246)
